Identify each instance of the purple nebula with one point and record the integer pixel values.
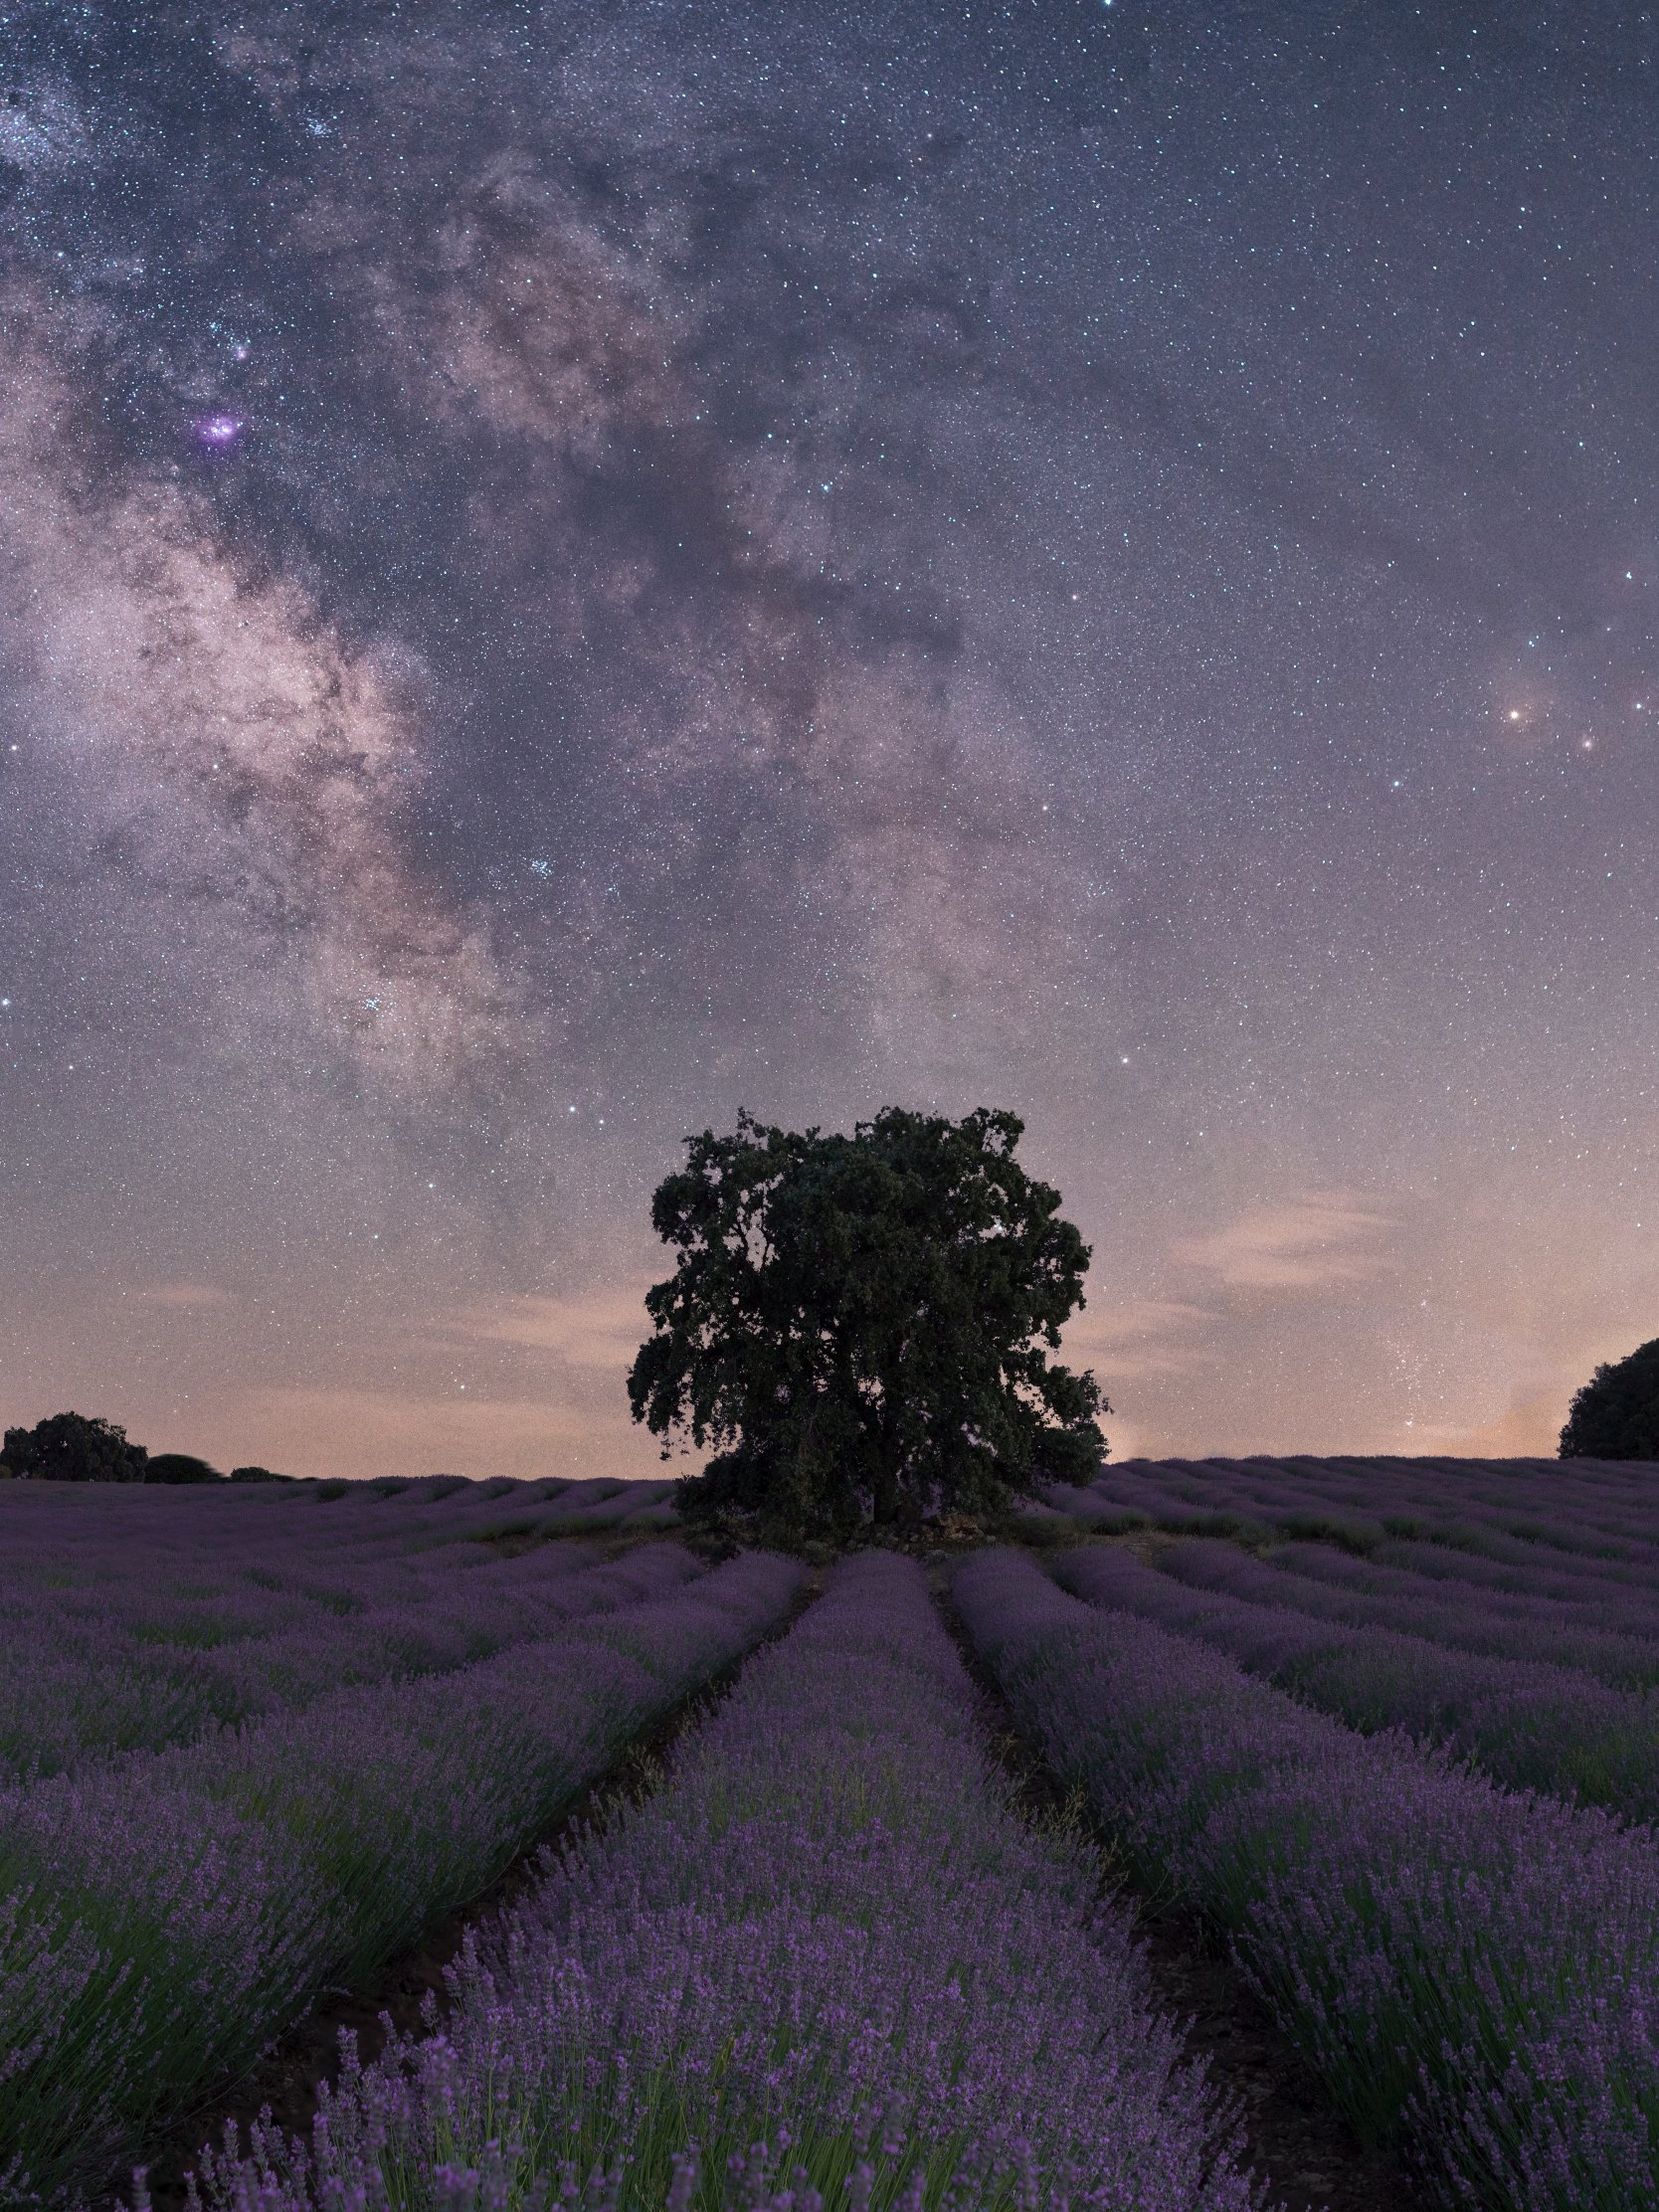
(217, 432)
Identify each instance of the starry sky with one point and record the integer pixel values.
(565, 571)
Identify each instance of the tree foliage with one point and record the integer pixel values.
(862, 1326)
(1616, 1414)
(69, 1447)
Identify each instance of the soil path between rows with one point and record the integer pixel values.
(1294, 2138)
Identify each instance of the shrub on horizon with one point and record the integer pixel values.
(180, 1467)
(1616, 1414)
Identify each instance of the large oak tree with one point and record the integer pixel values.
(862, 1327)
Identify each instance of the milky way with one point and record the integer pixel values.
(563, 572)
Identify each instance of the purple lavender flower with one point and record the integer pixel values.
(1531, 1725)
(828, 1936)
(1475, 1973)
(164, 1915)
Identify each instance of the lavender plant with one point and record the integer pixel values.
(1515, 1511)
(1315, 1580)
(163, 1918)
(1528, 1724)
(1475, 1973)
(829, 1935)
(138, 1619)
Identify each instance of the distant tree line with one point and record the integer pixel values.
(77, 1447)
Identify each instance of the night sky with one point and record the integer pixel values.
(569, 570)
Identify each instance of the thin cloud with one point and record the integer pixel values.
(1313, 1241)
(187, 1297)
(600, 1328)
(1142, 1338)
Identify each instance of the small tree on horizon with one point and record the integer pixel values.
(862, 1326)
(1616, 1414)
(71, 1447)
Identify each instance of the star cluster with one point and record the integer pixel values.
(565, 572)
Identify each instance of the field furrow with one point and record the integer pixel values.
(1316, 1579)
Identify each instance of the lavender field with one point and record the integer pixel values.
(1382, 1734)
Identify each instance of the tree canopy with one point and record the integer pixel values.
(1616, 1414)
(69, 1447)
(862, 1326)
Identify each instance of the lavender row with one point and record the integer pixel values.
(137, 1619)
(1312, 1579)
(1597, 1513)
(1526, 1580)
(205, 1570)
(81, 1689)
(440, 1502)
(1527, 1569)
(1475, 1973)
(1528, 1724)
(1478, 1535)
(117, 1547)
(828, 1932)
(78, 1690)
(163, 1919)
(1588, 1599)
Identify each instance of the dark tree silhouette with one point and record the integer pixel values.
(69, 1448)
(1616, 1414)
(861, 1326)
